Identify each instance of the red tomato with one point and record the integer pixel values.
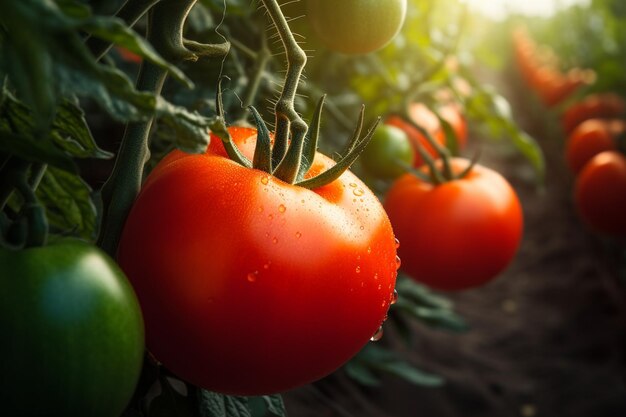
(600, 193)
(595, 106)
(250, 285)
(459, 234)
(421, 115)
(589, 139)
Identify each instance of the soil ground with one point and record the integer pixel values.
(547, 338)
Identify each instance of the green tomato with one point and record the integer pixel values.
(388, 152)
(356, 26)
(72, 333)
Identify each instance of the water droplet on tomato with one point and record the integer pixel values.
(353, 185)
(376, 276)
(260, 209)
(394, 297)
(270, 216)
(358, 271)
(380, 286)
(267, 265)
(282, 208)
(377, 335)
(369, 250)
(397, 243)
(362, 227)
(358, 192)
(298, 235)
(265, 180)
(398, 262)
(252, 276)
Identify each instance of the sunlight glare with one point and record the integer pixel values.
(499, 9)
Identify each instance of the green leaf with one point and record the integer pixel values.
(68, 203)
(191, 129)
(45, 57)
(373, 360)
(212, 404)
(115, 31)
(71, 133)
(529, 147)
(34, 150)
(409, 373)
(362, 374)
(275, 405)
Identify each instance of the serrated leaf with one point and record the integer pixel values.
(212, 404)
(191, 129)
(68, 203)
(71, 133)
(34, 150)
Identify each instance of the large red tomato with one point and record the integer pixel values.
(600, 193)
(459, 234)
(250, 285)
(594, 106)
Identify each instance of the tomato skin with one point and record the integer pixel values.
(594, 106)
(600, 193)
(387, 151)
(459, 234)
(250, 285)
(356, 26)
(591, 138)
(72, 332)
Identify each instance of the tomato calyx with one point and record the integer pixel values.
(436, 173)
(293, 162)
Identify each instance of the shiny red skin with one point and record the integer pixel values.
(252, 286)
(600, 193)
(459, 234)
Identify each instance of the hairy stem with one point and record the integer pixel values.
(287, 119)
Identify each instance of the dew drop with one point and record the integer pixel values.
(362, 227)
(265, 180)
(394, 297)
(380, 287)
(369, 250)
(358, 271)
(358, 192)
(252, 276)
(376, 276)
(298, 235)
(267, 265)
(353, 185)
(384, 304)
(398, 262)
(378, 335)
(260, 209)
(358, 257)
(275, 240)
(282, 208)
(270, 216)
(397, 243)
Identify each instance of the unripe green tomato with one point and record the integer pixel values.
(72, 333)
(356, 26)
(388, 152)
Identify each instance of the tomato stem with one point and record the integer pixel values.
(165, 33)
